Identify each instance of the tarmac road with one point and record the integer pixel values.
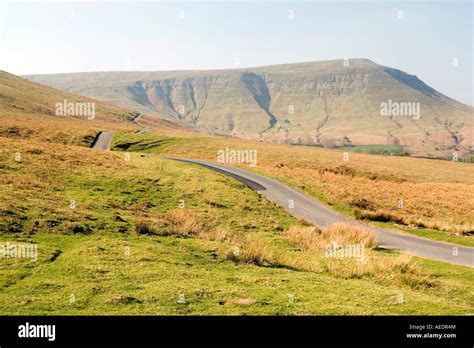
(301, 205)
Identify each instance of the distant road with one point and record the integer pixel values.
(300, 205)
(102, 141)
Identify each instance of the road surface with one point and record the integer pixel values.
(102, 141)
(300, 205)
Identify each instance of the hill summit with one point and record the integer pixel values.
(328, 103)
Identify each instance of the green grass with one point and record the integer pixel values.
(92, 260)
(103, 278)
(157, 144)
(83, 250)
(390, 149)
(135, 142)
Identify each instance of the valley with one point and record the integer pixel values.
(119, 233)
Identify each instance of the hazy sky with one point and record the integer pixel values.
(425, 39)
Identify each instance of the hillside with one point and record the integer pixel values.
(317, 103)
(126, 248)
(365, 187)
(28, 111)
(113, 237)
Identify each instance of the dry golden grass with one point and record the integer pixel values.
(314, 239)
(181, 222)
(224, 235)
(434, 199)
(40, 187)
(43, 167)
(53, 129)
(311, 242)
(435, 193)
(27, 111)
(401, 268)
(310, 255)
(411, 221)
(255, 251)
(177, 222)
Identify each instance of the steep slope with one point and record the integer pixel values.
(325, 103)
(28, 110)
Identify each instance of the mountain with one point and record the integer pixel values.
(327, 103)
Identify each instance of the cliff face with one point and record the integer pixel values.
(322, 103)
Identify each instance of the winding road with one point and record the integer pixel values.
(300, 205)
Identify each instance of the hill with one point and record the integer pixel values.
(28, 111)
(327, 103)
(123, 235)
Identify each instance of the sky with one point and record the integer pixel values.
(432, 40)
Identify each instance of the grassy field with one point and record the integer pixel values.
(118, 233)
(126, 247)
(424, 197)
(375, 149)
